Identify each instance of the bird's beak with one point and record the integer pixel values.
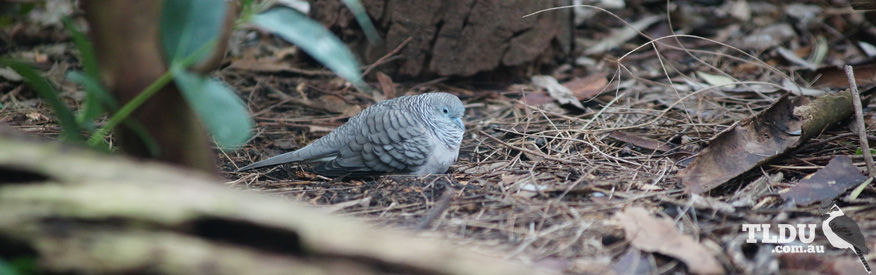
(459, 122)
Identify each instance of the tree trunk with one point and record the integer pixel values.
(456, 38)
(126, 41)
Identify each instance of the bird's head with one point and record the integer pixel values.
(446, 110)
(834, 211)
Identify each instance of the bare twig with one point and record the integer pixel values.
(859, 119)
(382, 59)
(437, 210)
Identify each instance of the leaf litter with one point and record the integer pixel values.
(540, 178)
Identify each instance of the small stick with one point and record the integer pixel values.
(382, 59)
(859, 118)
(437, 210)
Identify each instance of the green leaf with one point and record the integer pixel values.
(70, 129)
(86, 50)
(97, 138)
(247, 10)
(313, 38)
(218, 106)
(19, 265)
(857, 191)
(92, 86)
(96, 97)
(6, 269)
(100, 97)
(364, 21)
(188, 25)
(860, 151)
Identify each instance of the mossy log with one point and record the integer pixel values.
(77, 211)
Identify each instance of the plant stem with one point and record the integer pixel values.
(129, 107)
(147, 93)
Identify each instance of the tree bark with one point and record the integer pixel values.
(456, 38)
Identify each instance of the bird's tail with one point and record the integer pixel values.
(863, 261)
(279, 159)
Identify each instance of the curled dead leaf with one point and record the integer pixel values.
(758, 139)
(559, 92)
(659, 235)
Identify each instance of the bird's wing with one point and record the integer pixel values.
(848, 230)
(388, 140)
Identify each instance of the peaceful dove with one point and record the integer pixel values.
(415, 135)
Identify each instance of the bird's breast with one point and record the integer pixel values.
(441, 158)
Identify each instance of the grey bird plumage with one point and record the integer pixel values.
(416, 135)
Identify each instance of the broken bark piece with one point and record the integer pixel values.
(827, 183)
(756, 140)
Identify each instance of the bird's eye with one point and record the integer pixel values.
(444, 110)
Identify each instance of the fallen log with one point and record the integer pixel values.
(71, 210)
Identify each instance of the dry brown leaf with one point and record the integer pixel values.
(804, 263)
(537, 98)
(319, 129)
(620, 35)
(333, 103)
(640, 141)
(659, 235)
(835, 77)
(587, 87)
(559, 92)
(827, 183)
(36, 116)
(632, 262)
(265, 65)
(386, 85)
(40, 57)
(271, 65)
(758, 139)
